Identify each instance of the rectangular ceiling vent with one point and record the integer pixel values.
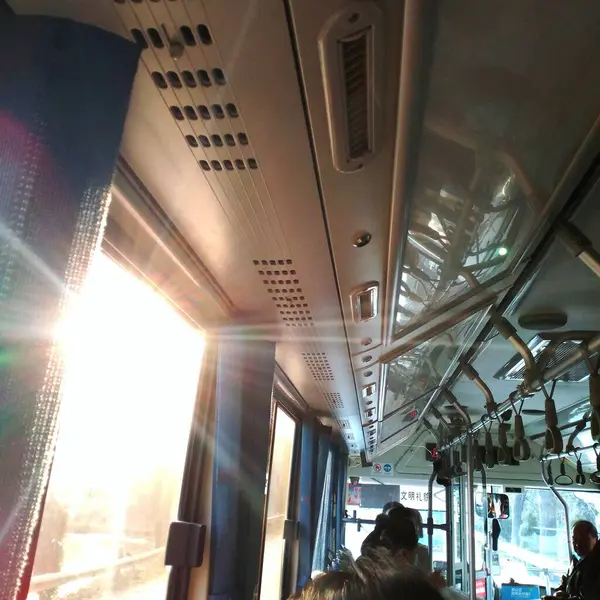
(280, 280)
(350, 50)
(354, 53)
(514, 369)
(343, 424)
(318, 365)
(334, 400)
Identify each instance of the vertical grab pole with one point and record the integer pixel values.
(430, 520)
(470, 491)
(565, 507)
(449, 536)
(488, 579)
(471, 509)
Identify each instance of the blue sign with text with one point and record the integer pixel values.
(520, 592)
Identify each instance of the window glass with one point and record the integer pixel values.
(533, 545)
(131, 373)
(365, 501)
(458, 527)
(279, 480)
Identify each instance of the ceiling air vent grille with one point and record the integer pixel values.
(514, 369)
(280, 279)
(318, 365)
(334, 400)
(343, 424)
(350, 47)
(354, 53)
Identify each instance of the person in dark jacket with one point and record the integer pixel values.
(583, 581)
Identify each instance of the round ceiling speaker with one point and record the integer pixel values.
(533, 412)
(543, 321)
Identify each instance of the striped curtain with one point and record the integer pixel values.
(64, 94)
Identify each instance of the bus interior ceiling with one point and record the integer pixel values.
(376, 251)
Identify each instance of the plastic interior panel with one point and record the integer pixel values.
(233, 218)
(498, 135)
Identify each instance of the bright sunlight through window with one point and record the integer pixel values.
(131, 372)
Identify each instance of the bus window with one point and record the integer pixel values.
(367, 500)
(532, 547)
(279, 481)
(131, 374)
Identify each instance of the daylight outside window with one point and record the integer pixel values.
(532, 547)
(132, 365)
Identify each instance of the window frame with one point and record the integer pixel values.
(279, 402)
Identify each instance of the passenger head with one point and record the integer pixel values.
(377, 577)
(390, 505)
(397, 535)
(585, 536)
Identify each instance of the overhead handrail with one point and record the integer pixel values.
(473, 375)
(553, 439)
(579, 427)
(580, 479)
(567, 453)
(584, 421)
(521, 448)
(563, 478)
(509, 333)
(525, 391)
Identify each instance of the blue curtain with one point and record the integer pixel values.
(341, 498)
(242, 441)
(63, 101)
(307, 503)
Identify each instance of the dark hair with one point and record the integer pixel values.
(589, 527)
(389, 505)
(376, 577)
(394, 532)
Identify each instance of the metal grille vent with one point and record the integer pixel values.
(354, 55)
(281, 282)
(343, 424)
(318, 365)
(350, 47)
(514, 369)
(334, 400)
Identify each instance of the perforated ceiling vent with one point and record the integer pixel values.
(283, 286)
(318, 365)
(343, 424)
(334, 400)
(350, 48)
(514, 369)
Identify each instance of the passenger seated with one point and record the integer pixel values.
(373, 577)
(583, 581)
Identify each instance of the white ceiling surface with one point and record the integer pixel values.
(273, 213)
